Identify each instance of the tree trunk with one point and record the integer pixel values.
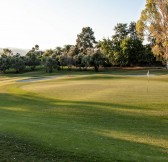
(166, 57)
(166, 63)
(96, 68)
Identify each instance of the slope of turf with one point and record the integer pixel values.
(85, 117)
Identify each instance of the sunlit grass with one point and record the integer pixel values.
(90, 117)
(144, 139)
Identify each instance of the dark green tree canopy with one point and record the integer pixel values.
(121, 31)
(85, 39)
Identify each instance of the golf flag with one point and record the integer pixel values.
(148, 74)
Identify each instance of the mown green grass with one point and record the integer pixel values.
(85, 116)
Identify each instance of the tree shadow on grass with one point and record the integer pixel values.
(133, 150)
(81, 122)
(17, 149)
(105, 115)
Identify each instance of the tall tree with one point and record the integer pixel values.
(106, 48)
(85, 40)
(131, 51)
(132, 31)
(153, 24)
(121, 31)
(33, 57)
(125, 48)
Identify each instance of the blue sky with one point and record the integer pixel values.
(51, 23)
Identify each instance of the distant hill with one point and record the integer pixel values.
(16, 50)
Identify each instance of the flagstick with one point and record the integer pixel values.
(148, 86)
(148, 75)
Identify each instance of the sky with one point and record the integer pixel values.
(52, 23)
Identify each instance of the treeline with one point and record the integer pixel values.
(124, 48)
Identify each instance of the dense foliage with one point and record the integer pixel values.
(125, 48)
(153, 25)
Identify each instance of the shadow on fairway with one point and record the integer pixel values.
(83, 130)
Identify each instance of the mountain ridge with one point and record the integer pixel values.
(16, 50)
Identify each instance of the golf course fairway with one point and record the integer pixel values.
(119, 116)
